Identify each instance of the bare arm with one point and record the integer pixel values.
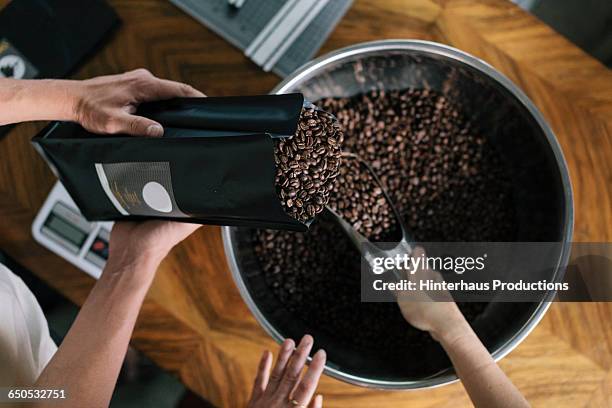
(88, 361)
(486, 384)
(31, 100)
(104, 104)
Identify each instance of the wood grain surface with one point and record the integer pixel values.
(194, 323)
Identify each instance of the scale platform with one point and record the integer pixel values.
(278, 35)
(61, 228)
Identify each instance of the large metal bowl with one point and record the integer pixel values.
(543, 196)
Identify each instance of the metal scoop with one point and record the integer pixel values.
(368, 249)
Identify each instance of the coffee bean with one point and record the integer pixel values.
(301, 158)
(448, 183)
(358, 199)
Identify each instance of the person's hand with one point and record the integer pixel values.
(107, 104)
(485, 382)
(282, 387)
(104, 104)
(436, 317)
(134, 243)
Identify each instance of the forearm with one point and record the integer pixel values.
(89, 359)
(486, 384)
(31, 100)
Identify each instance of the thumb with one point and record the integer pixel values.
(139, 126)
(317, 402)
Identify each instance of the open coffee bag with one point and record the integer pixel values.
(260, 161)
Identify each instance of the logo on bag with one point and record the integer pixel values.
(139, 188)
(12, 66)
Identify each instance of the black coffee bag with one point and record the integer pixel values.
(214, 165)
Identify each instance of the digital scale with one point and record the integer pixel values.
(61, 228)
(278, 35)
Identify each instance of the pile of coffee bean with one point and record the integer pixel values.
(448, 183)
(307, 164)
(446, 180)
(359, 200)
(316, 277)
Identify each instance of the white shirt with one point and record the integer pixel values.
(25, 344)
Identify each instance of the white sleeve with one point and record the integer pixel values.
(25, 343)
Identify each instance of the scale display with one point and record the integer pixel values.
(61, 228)
(65, 230)
(66, 227)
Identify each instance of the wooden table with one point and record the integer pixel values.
(194, 322)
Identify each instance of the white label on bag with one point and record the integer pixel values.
(139, 188)
(156, 197)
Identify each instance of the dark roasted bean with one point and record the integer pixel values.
(356, 199)
(415, 140)
(300, 161)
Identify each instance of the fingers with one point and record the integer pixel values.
(408, 274)
(418, 252)
(153, 88)
(285, 376)
(281, 362)
(159, 89)
(167, 233)
(295, 365)
(425, 273)
(140, 86)
(181, 230)
(136, 126)
(165, 89)
(263, 375)
(317, 402)
(307, 386)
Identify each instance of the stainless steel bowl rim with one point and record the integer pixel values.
(362, 49)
